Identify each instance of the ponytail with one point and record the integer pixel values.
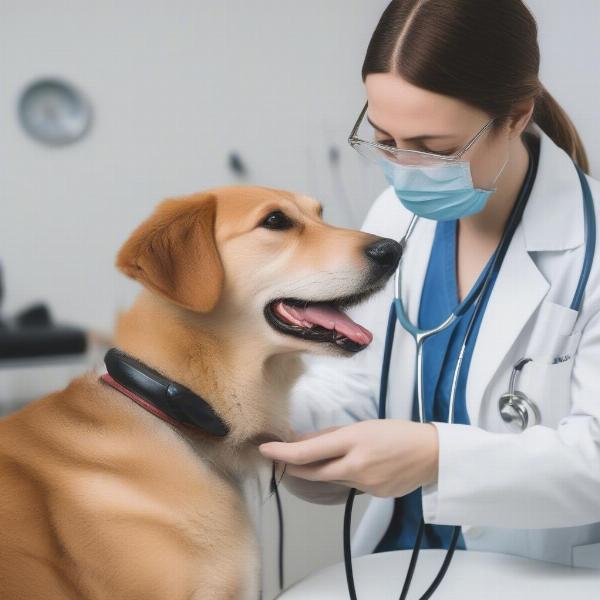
(450, 47)
(551, 117)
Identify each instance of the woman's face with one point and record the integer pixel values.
(402, 114)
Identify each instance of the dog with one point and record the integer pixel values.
(99, 498)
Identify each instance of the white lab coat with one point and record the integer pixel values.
(535, 493)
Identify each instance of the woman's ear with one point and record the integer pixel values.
(521, 115)
(174, 253)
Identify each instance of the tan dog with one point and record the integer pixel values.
(102, 500)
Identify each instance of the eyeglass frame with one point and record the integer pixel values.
(353, 141)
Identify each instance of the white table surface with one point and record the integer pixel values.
(476, 575)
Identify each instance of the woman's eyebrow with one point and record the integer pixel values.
(410, 139)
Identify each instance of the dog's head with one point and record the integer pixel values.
(262, 261)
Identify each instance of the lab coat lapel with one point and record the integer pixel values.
(517, 292)
(552, 221)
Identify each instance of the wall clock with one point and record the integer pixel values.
(54, 112)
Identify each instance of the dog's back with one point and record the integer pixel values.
(99, 500)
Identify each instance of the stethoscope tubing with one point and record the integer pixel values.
(590, 241)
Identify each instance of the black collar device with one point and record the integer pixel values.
(166, 399)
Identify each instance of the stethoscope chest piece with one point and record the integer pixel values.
(515, 407)
(518, 411)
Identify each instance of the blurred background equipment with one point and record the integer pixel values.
(237, 166)
(38, 356)
(32, 333)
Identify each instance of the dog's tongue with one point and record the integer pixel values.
(325, 316)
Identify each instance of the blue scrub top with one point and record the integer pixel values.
(439, 298)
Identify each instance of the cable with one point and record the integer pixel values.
(275, 489)
(413, 560)
(442, 572)
(347, 551)
(387, 355)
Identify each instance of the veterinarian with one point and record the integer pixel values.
(470, 141)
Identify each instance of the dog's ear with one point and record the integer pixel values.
(174, 253)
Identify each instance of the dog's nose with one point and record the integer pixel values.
(385, 253)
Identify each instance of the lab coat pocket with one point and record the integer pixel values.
(586, 555)
(551, 331)
(546, 379)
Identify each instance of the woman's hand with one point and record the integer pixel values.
(383, 457)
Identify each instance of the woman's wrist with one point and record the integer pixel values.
(432, 455)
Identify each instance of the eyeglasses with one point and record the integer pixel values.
(375, 151)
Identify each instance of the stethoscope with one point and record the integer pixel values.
(516, 409)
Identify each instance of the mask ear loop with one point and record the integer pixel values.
(502, 169)
(508, 157)
(491, 188)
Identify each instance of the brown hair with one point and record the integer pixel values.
(484, 52)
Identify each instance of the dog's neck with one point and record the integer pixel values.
(244, 382)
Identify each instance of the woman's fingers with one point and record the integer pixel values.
(326, 470)
(310, 434)
(322, 446)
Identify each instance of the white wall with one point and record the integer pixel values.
(570, 64)
(175, 86)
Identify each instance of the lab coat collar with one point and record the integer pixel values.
(553, 217)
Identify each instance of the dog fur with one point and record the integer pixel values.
(101, 500)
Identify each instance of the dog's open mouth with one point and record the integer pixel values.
(319, 321)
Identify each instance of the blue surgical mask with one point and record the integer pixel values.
(438, 192)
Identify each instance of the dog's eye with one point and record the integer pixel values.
(277, 220)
